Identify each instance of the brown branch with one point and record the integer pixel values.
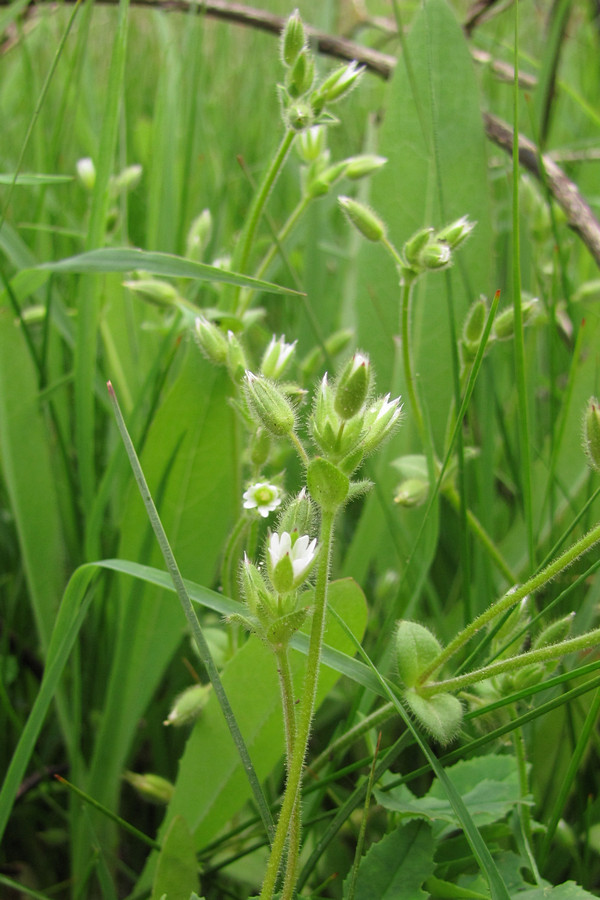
(565, 192)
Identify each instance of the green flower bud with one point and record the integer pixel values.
(198, 236)
(321, 183)
(435, 255)
(363, 219)
(353, 386)
(358, 167)
(381, 420)
(151, 787)
(591, 433)
(473, 329)
(299, 116)
(440, 715)
(269, 405)
(292, 39)
(555, 632)
(86, 172)
(211, 341)
(188, 705)
(300, 77)
(328, 485)
(340, 82)
(504, 324)
(160, 293)
(128, 179)
(236, 358)
(416, 649)
(415, 245)
(298, 516)
(277, 357)
(312, 144)
(456, 233)
(260, 447)
(411, 492)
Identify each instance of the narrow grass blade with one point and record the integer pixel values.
(107, 259)
(34, 180)
(193, 621)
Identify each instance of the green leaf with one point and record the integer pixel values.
(567, 891)
(123, 259)
(176, 869)
(397, 865)
(35, 179)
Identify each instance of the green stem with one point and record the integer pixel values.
(481, 534)
(229, 564)
(298, 445)
(532, 657)
(241, 255)
(289, 718)
(523, 808)
(512, 598)
(305, 712)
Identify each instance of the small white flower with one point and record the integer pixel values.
(86, 172)
(263, 497)
(301, 553)
(276, 357)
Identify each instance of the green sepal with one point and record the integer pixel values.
(281, 631)
(327, 484)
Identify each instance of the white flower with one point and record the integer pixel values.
(86, 172)
(263, 497)
(276, 357)
(301, 555)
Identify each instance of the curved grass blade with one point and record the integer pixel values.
(124, 259)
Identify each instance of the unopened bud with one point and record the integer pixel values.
(188, 705)
(299, 116)
(298, 516)
(277, 357)
(86, 172)
(411, 492)
(236, 358)
(504, 324)
(435, 255)
(128, 179)
(151, 787)
(473, 329)
(260, 447)
(292, 39)
(364, 219)
(415, 244)
(160, 293)
(353, 386)
(254, 588)
(312, 143)
(199, 235)
(555, 632)
(362, 166)
(340, 82)
(269, 405)
(300, 77)
(211, 340)
(591, 433)
(457, 232)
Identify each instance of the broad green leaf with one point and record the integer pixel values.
(567, 891)
(123, 259)
(488, 785)
(30, 481)
(397, 865)
(177, 868)
(211, 786)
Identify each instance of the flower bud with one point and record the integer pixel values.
(591, 433)
(277, 357)
(86, 172)
(435, 255)
(381, 419)
(363, 219)
(151, 787)
(504, 324)
(300, 77)
(416, 649)
(415, 245)
(198, 236)
(299, 116)
(298, 516)
(457, 232)
(473, 329)
(188, 705)
(555, 632)
(236, 358)
(411, 492)
(340, 82)
(357, 167)
(292, 39)
(128, 179)
(160, 293)
(327, 484)
(260, 447)
(254, 589)
(353, 386)
(312, 143)
(211, 340)
(269, 405)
